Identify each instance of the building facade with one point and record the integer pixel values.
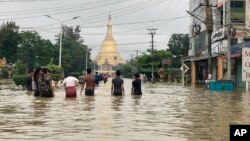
(237, 22)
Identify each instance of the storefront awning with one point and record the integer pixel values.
(236, 55)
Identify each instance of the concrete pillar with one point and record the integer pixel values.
(193, 73)
(219, 68)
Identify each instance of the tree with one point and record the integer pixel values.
(9, 40)
(19, 68)
(126, 70)
(178, 46)
(73, 51)
(56, 71)
(71, 33)
(33, 50)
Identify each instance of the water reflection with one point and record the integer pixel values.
(136, 99)
(89, 103)
(210, 114)
(40, 107)
(163, 112)
(117, 102)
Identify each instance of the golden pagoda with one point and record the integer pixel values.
(108, 56)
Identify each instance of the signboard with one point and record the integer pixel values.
(166, 61)
(218, 35)
(246, 64)
(184, 68)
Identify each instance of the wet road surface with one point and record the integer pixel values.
(163, 112)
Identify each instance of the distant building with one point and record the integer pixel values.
(108, 57)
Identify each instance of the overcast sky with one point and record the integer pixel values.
(130, 19)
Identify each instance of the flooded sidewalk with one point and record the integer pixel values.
(163, 112)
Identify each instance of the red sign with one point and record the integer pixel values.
(246, 64)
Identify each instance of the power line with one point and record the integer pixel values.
(122, 12)
(103, 14)
(70, 11)
(11, 13)
(130, 23)
(25, 0)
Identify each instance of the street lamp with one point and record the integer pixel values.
(87, 49)
(60, 42)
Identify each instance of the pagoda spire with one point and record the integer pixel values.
(109, 34)
(108, 54)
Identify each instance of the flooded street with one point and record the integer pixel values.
(163, 112)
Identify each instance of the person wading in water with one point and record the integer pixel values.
(117, 88)
(45, 84)
(70, 83)
(90, 84)
(136, 85)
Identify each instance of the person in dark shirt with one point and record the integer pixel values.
(136, 85)
(30, 80)
(36, 77)
(117, 88)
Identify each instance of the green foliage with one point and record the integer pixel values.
(33, 50)
(19, 68)
(28, 50)
(73, 51)
(4, 73)
(20, 80)
(9, 40)
(143, 62)
(178, 46)
(71, 33)
(126, 70)
(56, 71)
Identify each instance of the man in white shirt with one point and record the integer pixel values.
(70, 83)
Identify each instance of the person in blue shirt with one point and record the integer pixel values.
(97, 78)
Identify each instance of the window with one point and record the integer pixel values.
(238, 12)
(237, 4)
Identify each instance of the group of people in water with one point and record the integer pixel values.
(44, 84)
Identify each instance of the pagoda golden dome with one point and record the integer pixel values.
(109, 53)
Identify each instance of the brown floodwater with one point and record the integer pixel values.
(163, 113)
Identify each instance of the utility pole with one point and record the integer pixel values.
(132, 62)
(209, 28)
(228, 27)
(152, 33)
(136, 68)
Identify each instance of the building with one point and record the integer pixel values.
(108, 57)
(239, 37)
